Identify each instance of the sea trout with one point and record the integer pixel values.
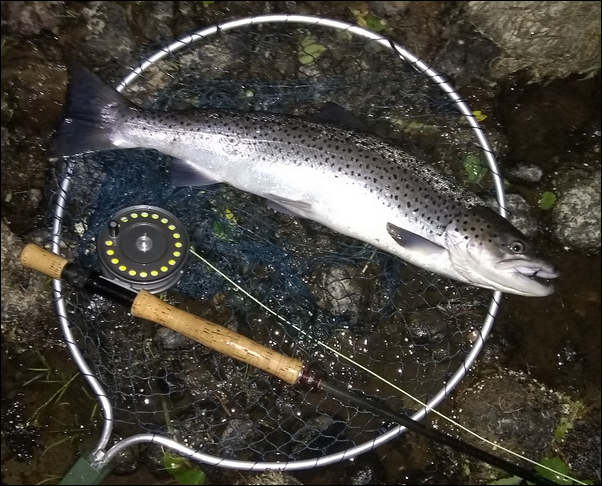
(353, 183)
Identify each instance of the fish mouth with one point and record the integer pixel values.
(530, 277)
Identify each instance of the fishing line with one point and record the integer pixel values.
(293, 371)
(494, 445)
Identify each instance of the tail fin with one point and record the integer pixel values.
(91, 115)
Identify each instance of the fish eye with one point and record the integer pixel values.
(517, 247)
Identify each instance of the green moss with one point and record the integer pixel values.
(310, 50)
(547, 200)
(509, 480)
(368, 20)
(566, 422)
(182, 470)
(474, 171)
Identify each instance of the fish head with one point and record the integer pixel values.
(488, 251)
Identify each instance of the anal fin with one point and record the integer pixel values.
(184, 173)
(292, 207)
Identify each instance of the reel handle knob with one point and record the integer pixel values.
(218, 338)
(113, 228)
(42, 260)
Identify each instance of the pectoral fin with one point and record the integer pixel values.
(412, 241)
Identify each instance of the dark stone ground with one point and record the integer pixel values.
(541, 367)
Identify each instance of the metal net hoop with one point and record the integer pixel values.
(100, 455)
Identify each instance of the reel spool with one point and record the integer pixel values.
(143, 247)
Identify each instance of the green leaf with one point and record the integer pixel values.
(222, 230)
(563, 427)
(207, 4)
(182, 470)
(509, 480)
(310, 50)
(479, 115)
(547, 200)
(367, 19)
(473, 169)
(558, 465)
(374, 23)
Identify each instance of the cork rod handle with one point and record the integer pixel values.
(147, 306)
(42, 260)
(151, 308)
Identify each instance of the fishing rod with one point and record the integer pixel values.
(293, 371)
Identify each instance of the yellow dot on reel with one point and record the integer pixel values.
(171, 227)
(155, 216)
(109, 243)
(143, 274)
(144, 214)
(164, 220)
(154, 273)
(123, 268)
(132, 272)
(178, 244)
(134, 215)
(164, 269)
(172, 262)
(176, 254)
(124, 220)
(110, 252)
(115, 261)
(176, 235)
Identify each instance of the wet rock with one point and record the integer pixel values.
(389, 8)
(466, 55)
(169, 340)
(107, 36)
(216, 56)
(576, 214)
(237, 433)
(20, 437)
(542, 121)
(30, 18)
(519, 214)
(526, 173)
(427, 326)
(546, 39)
(35, 195)
(510, 408)
(344, 290)
(581, 448)
(366, 474)
(270, 477)
(153, 456)
(199, 382)
(311, 433)
(26, 299)
(153, 19)
(126, 462)
(33, 93)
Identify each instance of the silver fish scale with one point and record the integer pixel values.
(388, 176)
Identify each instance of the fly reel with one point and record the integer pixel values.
(143, 247)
